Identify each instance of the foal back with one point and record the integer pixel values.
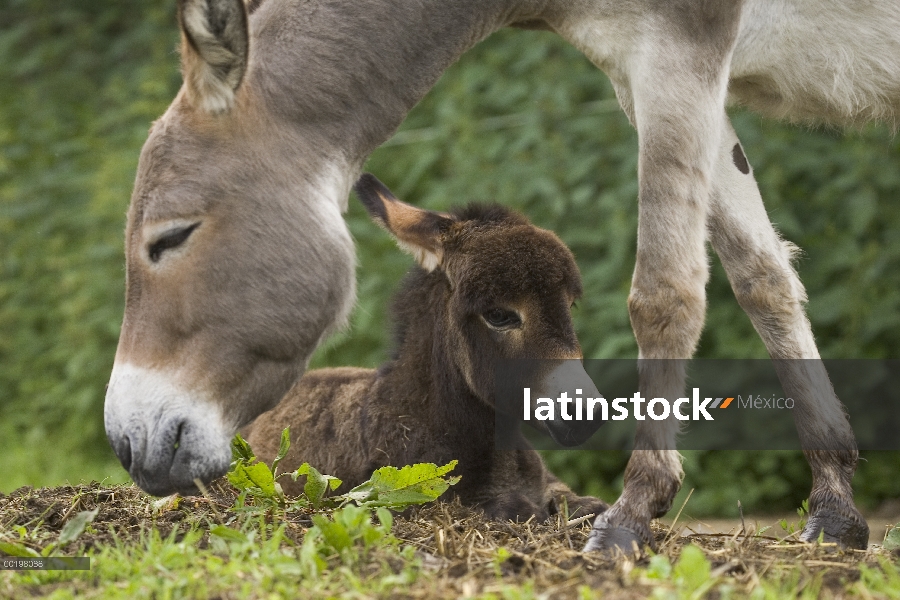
(327, 415)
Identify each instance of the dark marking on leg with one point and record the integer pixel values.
(740, 161)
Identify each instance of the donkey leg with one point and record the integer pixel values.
(677, 85)
(653, 474)
(758, 264)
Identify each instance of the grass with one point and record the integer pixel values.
(244, 539)
(217, 547)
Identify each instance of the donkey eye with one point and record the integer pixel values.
(170, 239)
(500, 318)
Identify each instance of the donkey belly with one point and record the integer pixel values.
(819, 60)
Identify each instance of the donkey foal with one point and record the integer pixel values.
(490, 286)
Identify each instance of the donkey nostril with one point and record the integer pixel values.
(124, 453)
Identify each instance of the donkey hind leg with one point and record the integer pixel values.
(758, 264)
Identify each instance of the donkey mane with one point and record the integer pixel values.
(484, 213)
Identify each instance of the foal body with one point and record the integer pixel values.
(497, 287)
(255, 157)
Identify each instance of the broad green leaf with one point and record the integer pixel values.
(316, 484)
(399, 488)
(283, 447)
(253, 477)
(892, 540)
(240, 449)
(14, 549)
(76, 525)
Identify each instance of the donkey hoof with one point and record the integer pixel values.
(845, 531)
(614, 540)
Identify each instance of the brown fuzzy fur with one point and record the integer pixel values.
(433, 401)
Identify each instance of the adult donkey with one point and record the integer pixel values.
(238, 261)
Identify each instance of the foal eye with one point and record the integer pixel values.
(170, 239)
(500, 318)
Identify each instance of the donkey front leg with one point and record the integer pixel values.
(758, 264)
(678, 90)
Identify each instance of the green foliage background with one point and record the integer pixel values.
(523, 119)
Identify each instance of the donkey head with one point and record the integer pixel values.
(237, 263)
(510, 287)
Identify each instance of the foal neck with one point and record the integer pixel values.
(424, 365)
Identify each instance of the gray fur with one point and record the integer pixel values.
(329, 80)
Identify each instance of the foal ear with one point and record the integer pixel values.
(214, 50)
(418, 231)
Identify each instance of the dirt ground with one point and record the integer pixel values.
(687, 525)
(455, 543)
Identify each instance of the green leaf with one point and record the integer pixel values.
(283, 447)
(399, 488)
(14, 549)
(370, 535)
(310, 560)
(240, 450)
(892, 539)
(227, 533)
(76, 525)
(660, 567)
(385, 518)
(334, 533)
(316, 483)
(692, 570)
(255, 477)
(353, 518)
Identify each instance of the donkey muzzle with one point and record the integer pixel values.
(164, 436)
(567, 385)
(548, 394)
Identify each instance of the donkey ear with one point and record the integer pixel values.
(416, 230)
(214, 50)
